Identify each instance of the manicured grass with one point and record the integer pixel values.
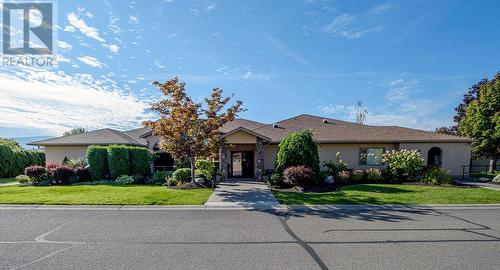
(103, 194)
(392, 194)
(7, 181)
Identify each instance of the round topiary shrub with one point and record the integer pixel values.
(436, 176)
(297, 148)
(23, 179)
(182, 175)
(63, 174)
(124, 180)
(36, 174)
(298, 175)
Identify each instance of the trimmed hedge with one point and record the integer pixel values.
(13, 159)
(118, 160)
(140, 160)
(97, 157)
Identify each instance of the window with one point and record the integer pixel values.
(371, 156)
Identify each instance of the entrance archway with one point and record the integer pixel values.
(435, 157)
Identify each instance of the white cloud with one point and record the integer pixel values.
(80, 24)
(249, 75)
(92, 61)
(345, 26)
(284, 50)
(53, 102)
(379, 9)
(112, 47)
(158, 63)
(133, 19)
(64, 45)
(70, 29)
(211, 7)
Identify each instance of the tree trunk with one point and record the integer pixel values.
(191, 160)
(493, 164)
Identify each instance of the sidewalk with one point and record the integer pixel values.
(242, 194)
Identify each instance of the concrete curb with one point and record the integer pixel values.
(226, 206)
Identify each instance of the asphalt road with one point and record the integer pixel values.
(411, 238)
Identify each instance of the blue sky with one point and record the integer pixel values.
(409, 62)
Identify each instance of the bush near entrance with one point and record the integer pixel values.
(297, 148)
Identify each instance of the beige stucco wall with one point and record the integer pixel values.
(240, 137)
(348, 152)
(57, 153)
(454, 155)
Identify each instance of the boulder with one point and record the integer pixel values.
(199, 181)
(330, 179)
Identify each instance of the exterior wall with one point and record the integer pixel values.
(57, 153)
(348, 152)
(241, 137)
(454, 155)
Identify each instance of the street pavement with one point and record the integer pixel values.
(337, 238)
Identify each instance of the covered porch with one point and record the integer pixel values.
(242, 155)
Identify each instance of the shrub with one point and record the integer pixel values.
(374, 175)
(75, 163)
(182, 174)
(275, 178)
(124, 180)
(335, 166)
(159, 177)
(357, 176)
(206, 168)
(343, 177)
(140, 160)
(118, 160)
(172, 182)
(436, 176)
(97, 157)
(36, 174)
(298, 175)
(23, 179)
(200, 174)
(297, 148)
(83, 174)
(52, 165)
(63, 174)
(6, 160)
(403, 165)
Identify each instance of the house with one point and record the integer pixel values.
(250, 147)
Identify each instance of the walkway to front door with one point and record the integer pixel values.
(242, 194)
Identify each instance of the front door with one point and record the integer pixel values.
(242, 164)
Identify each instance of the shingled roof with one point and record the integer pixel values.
(98, 137)
(328, 130)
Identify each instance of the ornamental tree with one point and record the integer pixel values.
(188, 129)
(482, 121)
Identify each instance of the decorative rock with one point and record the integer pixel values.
(200, 181)
(330, 179)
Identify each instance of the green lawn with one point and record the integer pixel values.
(103, 194)
(392, 194)
(7, 181)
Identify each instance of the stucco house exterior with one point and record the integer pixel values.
(250, 147)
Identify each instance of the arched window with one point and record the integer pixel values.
(435, 157)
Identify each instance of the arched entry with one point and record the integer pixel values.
(435, 157)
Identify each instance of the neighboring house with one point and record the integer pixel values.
(250, 147)
(75, 147)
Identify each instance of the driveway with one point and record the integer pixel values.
(350, 238)
(242, 194)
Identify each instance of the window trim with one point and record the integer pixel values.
(369, 147)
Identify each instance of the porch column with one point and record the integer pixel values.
(259, 148)
(223, 162)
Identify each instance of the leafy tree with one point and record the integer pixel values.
(297, 148)
(74, 131)
(187, 129)
(472, 94)
(481, 121)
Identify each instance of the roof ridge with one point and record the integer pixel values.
(53, 138)
(125, 136)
